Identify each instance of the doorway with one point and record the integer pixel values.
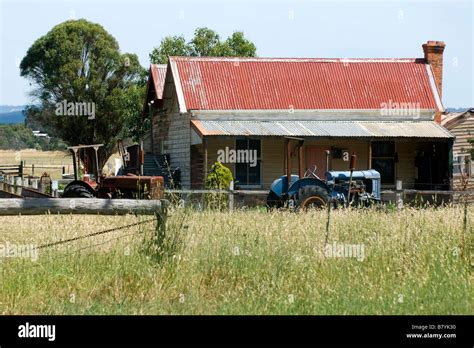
(315, 155)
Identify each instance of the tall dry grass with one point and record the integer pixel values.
(242, 262)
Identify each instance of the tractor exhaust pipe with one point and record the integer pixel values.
(328, 153)
(288, 160)
(300, 158)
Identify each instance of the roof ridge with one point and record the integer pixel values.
(296, 59)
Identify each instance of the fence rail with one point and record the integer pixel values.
(38, 206)
(399, 196)
(11, 169)
(242, 192)
(431, 192)
(22, 169)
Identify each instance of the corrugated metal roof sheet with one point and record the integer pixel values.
(158, 72)
(352, 129)
(452, 119)
(210, 83)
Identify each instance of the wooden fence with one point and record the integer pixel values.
(400, 196)
(38, 206)
(23, 169)
(11, 169)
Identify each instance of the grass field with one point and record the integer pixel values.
(44, 161)
(245, 262)
(31, 156)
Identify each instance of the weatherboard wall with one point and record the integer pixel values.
(273, 157)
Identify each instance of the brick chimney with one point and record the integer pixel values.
(434, 56)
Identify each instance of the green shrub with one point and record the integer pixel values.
(219, 178)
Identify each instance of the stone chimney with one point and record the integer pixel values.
(434, 56)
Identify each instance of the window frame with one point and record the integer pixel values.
(259, 161)
(459, 161)
(393, 158)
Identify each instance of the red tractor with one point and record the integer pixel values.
(101, 186)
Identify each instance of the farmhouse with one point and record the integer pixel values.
(387, 111)
(461, 125)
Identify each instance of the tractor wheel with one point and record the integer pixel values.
(312, 197)
(273, 201)
(77, 191)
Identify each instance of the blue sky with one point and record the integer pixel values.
(279, 28)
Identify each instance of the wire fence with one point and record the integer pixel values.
(93, 234)
(90, 246)
(201, 199)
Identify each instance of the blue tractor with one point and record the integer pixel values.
(340, 188)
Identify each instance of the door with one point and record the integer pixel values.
(316, 156)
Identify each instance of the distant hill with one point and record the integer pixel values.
(457, 109)
(12, 117)
(12, 114)
(18, 136)
(11, 108)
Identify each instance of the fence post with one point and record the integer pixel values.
(327, 223)
(161, 215)
(398, 195)
(34, 183)
(18, 184)
(54, 188)
(231, 196)
(464, 252)
(33, 170)
(11, 181)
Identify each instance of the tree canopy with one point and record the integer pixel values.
(206, 42)
(79, 62)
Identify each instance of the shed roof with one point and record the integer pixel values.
(452, 119)
(305, 128)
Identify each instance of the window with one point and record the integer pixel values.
(246, 173)
(462, 164)
(383, 160)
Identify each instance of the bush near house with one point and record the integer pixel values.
(219, 178)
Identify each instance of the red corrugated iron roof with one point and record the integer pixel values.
(158, 72)
(211, 83)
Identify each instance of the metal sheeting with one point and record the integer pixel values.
(353, 129)
(210, 83)
(158, 72)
